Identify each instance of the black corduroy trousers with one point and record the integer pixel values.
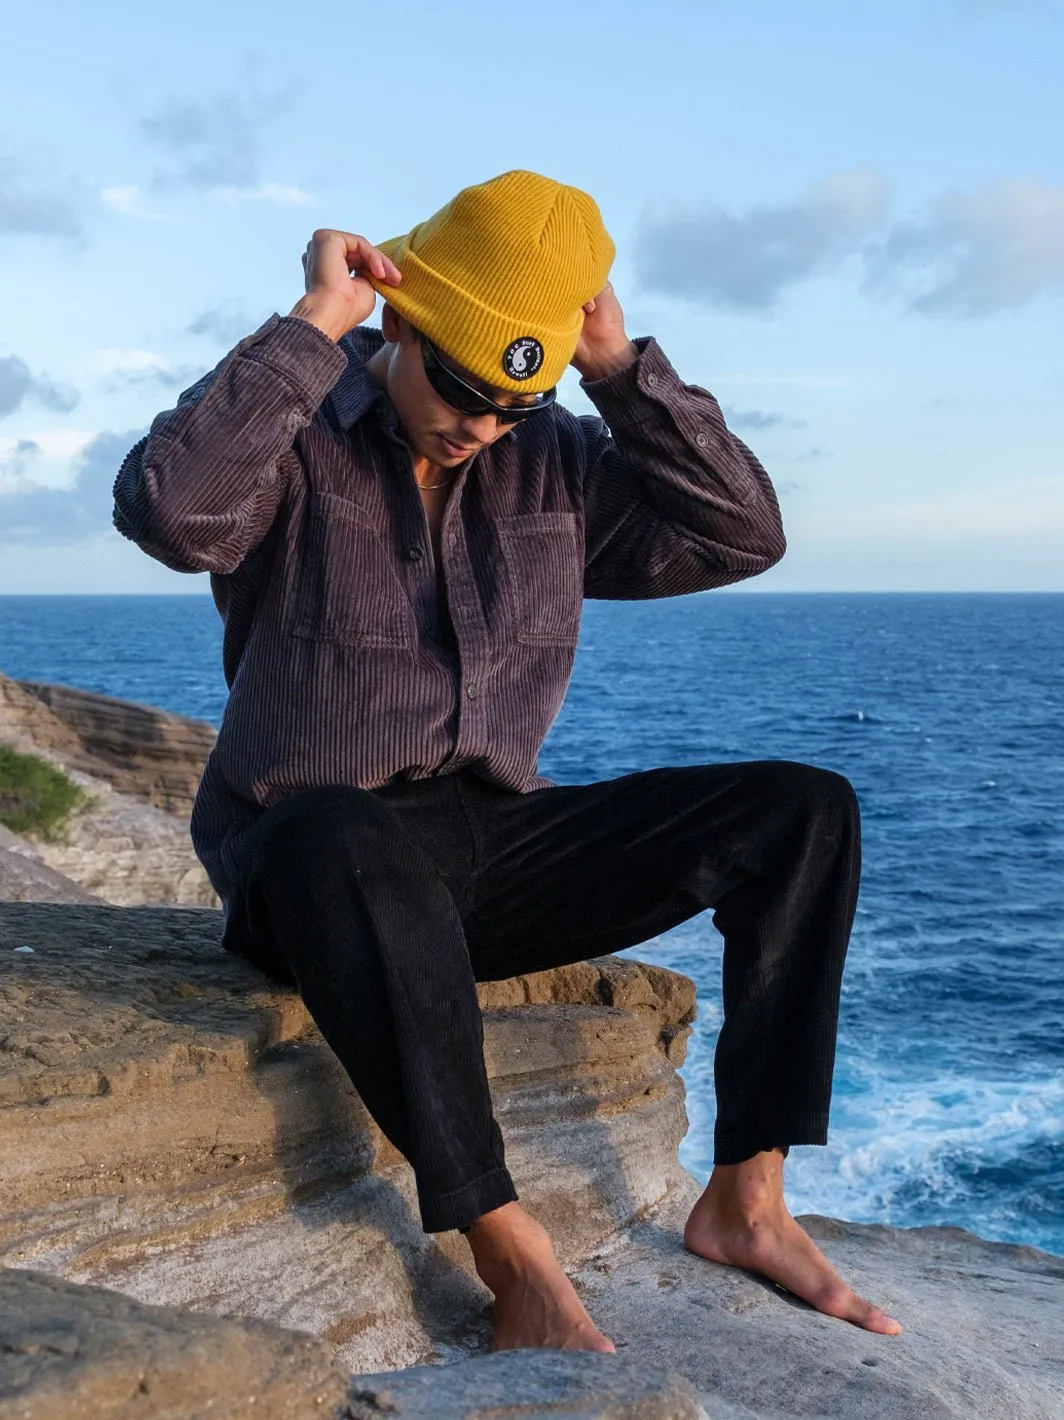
(385, 907)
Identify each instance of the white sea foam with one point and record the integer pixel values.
(896, 1145)
(903, 1152)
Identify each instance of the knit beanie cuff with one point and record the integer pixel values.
(470, 332)
(499, 276)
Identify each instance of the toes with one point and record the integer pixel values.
(840, 1301)
(871, 1318)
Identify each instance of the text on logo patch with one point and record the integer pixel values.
(522, 358)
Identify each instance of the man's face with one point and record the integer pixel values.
(434, 430)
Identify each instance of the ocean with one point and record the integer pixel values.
(946, 712)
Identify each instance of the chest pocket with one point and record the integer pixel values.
(543, 577)
(347, 590)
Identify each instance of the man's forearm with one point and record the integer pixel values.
(203, 490)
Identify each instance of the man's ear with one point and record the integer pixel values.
(393, 327)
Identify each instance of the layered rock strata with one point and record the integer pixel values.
(25, 877)
(172, 1125)
(117, 847)
(146, 753)
(83, 1353)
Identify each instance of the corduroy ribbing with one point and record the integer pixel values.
(386, 907)
(284, 475)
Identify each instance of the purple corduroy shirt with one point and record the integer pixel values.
(284, 474)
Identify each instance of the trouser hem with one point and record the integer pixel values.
(441, 1212)
(734, 1146)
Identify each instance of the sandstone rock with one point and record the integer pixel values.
(117, 848)
(982, 1341)
(128, 853)
(24, 877)
(148, 754)
(68, 1351)
(172, 1125)
(567, 1384)
(29, 726)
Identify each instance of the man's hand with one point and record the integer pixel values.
(338, 295)
(603, 347)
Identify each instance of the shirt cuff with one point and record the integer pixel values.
(625, 399)
(300, 353)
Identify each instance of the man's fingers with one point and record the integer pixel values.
(362, 254)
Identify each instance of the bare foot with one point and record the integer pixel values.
(742, 1221)
(535, 1303)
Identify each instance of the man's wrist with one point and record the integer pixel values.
(327, 318)
(606, 363)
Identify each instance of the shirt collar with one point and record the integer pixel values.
(356, 389)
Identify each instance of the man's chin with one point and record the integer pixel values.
(455, 453)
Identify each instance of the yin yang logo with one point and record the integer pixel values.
(522, 358)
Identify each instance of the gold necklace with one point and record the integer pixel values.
(427, 486)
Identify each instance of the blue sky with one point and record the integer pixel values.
(845, 219)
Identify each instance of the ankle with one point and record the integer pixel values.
(505, 1243)
(749, 1190)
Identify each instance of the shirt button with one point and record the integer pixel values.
(416, 554)
(701, 440)
(652, 380)
(471, 690)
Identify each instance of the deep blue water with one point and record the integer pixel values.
(947, 713)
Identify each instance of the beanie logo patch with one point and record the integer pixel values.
(522, 358)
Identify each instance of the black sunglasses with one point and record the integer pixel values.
(465, 399)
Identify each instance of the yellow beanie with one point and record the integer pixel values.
(498, 277)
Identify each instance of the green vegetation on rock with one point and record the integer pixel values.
(35, 797)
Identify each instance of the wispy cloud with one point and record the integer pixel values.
(46, 459)
(227, 322)
(214, 145)
(281, 193)
(974, 253)
(118, 369)
(746, 261)
(759, 419)
(17, 460)
(19, 386)
(30, 208)
(57, 516)
(978, 252)
(130, 202)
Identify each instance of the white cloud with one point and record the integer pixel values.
(745, 261)
(993, 248)
(281, 193)
(227, 322)
(968, 253)
(129, 202)
(33, 512)
(42, 460)
(30, 207)
(124, 362)
(19, 385)
(120, 368)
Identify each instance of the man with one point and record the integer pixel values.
(401, 526)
